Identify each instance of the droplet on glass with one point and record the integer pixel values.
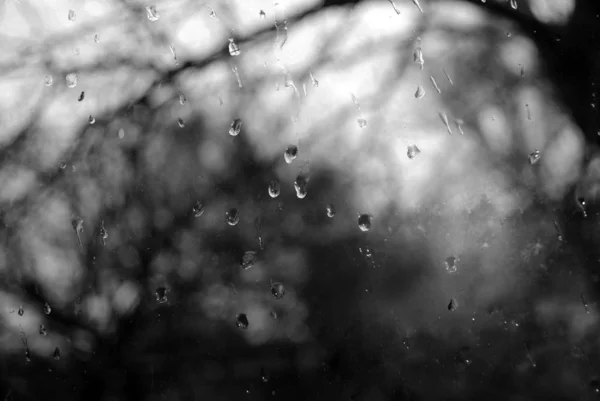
(212, 13)
(248, 260)
(585, 304)
(364, 222)
(274, 189)
(43, 331)
(56, 354)
(362, 122)
(313, 80)
(420, 92)
(435, 85)
(241, 321)
(535, 157)
(234, 49)
(198, 209)
(263, 375)
(277, 290)
(77, 224)
(330, 209)
(451, 264)
(581, 205)
(300, 185)
(412, 151)
(81, 96)
(262, 14)
(180, 122)
(21, 311)
(291, 152)
(174, 53)
(366, 251)
(595, 385)
(152, 13)
(522, 72)
(48, 80)
(236, 127)
(63, 165)
(71, 80)
(161, 295)
(103, 233)
(232, 216)
(47, 308)
(121, 133)
(452, 305)
(448, 77)
(418, 57)
(97, 38)
(459, 123)
(182, 99)
(72, 16)
(396, 9)
(444, 119)
(24, 340)
(416, 3)
(513, 4)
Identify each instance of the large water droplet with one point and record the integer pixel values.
(161, 295)
(412, 151)
(535, 157)
(277, 290)
(72, 16)
(198, 209)
(152, 13)
(47, 308)
(232, 216)
(330, 209)
(21, 311)
(291, 152)
(48, 80)
(452, 305)
(364, 222)
(71, 80)
(513, 4)
(43, 331)
(300, 185)
(236, 127)
(248, 260)
(56, 354)
(262, 14)
(418, 57)
(274, 189)
(420, 92)
(241, 321)
(451, 264)
(362, 123)
(234, 49)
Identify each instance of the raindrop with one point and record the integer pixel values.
(71, 80)
(81, 96)
(72, 16)
(274, 189)
(451, 264)
(435, 85)
(313, 80)
(513, 4)
(121, 133)
(77, 307)
(528, 112)
(97, 38)
(48, 80)
(262, 14)
(63, 165)
(291, 152)
(236, 127)
(330, 209)
(274, 314)
(56, 354)
(362, 122)
(364, 222)
(459, 123)
(522, 72)
(24, 340)
(558, 231)
(21, 311)
(263, 375)
(152, 13)
(174, 53)
(103, 233)
(241, 321)
(277, 290)
(43, 331)
(161, 295)
(300, 185)
(535, 157)
(248, 260)
(581, 205)
(237, 76)
(47, 308)
(444, 119)
(448, 77)
(366, 251)
(212, 13)
(412, 151)
(418, 57)
(396, 9)
(182, 99)
(416, 3)
(420, 92)
(595, 385)
(585, 304)
(91, 119)
(77, 224)
(198, 209)
(234, 49)
(180, 122)
(452, 305)
(232, 216)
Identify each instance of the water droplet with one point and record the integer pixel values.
(77, 307)
(76, 51)
(435, 85)
(182, 99)
(300, 185)
(121, 133)
(237, 76)
(232, 216)
(212, 13)
(513, 4)
(412, 151)
(558, 231)
(152, 14)
(535, 157)
(444, 119)
(180, 122)
(198, 209)
(81, 96)
(241, 321)
(77, 224)
(91, 120)
(236, 127)
(174, 53)
(416, 3)
(48, 80)
(313, 80)
(396, 9)
(161, 295)
(97, 38)
(291, 152)
(585, 304)
(274, 189)
(330, 209)
(263, 375)
(362, 122)
(581, 205)
(595, 385)
(420, 92)
(452, 305)
(459, 123)
(448, 77)
(47, 308)
(451, 264)
(522, 72)
(508, 34)
(418, 57)
(528, 112)
(248, 260)
(43, 331)
(21, 311)
(262, 14)
(72, 16)
(277, 290)
(103, 233)
(364, 222)
(71, 80)
(234, 49)
(63, 165)
(56, 354)
(274, 314)
(366, 251)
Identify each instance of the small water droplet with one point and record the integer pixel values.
(291, 152)
(234, 49)
(513, 4)
(300, 185)
(396, 9)
(161, 295)
(364, 222)
(362, 122)
(248, 260)
(152, 13)
(71, 80)
(435, 85)
(103, 233)
(444, 119)
(81, 96)
(452, 305)
(56, 354)
(313, 80)
(48, 80)
(448, 77)
(418, 57)
(72, 16)
(21, 311)
(277, 290)
(508, 34)
(558, 231)
(581, 205)
(174, 53)
(97, 38)
(63, 165)
(198, 209)
(451, 264)
(535, 157)
(237, 76)
(182, 99)
(412, 151)
(263, 375)
(180, 122)
(241, 321)
(420, 92)
(236, 127)
(595, 385)
(47, 308)
(91, 119)
(232, 216)
(522, 72)
(459, 123)
(330, 209)
(121, 133)
(416, 3)
(585, 304)
(274, 189)
(262, 14)
(43, 331)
